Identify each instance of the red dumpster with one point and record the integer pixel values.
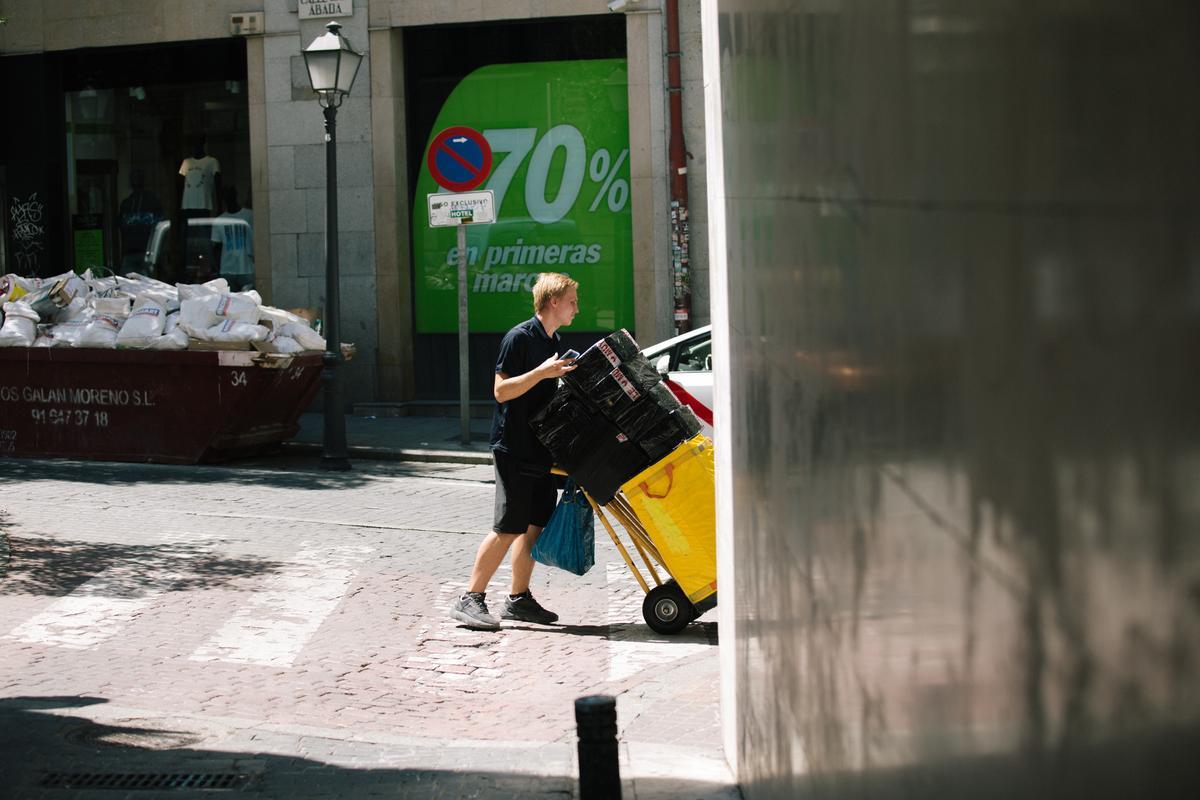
(170, 407)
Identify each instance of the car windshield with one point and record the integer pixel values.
(695, 356)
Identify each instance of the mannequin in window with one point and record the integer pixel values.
(200, 187)
(140, 211)
(233, 243)
(200, 182)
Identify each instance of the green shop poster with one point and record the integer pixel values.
(559, 133)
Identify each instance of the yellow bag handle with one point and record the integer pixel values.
(670, 470)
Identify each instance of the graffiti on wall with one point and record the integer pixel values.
(28, 232)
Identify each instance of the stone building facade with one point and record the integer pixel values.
(249, 94)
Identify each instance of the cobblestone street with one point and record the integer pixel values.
(285, 630)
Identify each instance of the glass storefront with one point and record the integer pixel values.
(151, 154)
(145, 143)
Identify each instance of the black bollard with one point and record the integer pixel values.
(596, 722)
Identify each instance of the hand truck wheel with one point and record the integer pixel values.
(667, 609)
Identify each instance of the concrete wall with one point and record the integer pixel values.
(956, 336)
(36, 26)
(295, 186)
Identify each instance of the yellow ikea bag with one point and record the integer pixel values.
(676, 502)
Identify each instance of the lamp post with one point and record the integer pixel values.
(332, 66)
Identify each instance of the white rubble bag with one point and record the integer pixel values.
(286, 344)
(276, 318)
(306, 336)
(189, 291)
(20, 325)
(175, 340)
(72, 310)
(144, 324)
(116, 307)
(100, 332)
(198, 314)
(69, 333)
(233, 331)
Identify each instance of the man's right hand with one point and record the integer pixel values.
(555, 367)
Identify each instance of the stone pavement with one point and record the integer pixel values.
(285, 630)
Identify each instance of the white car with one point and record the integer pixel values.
(198, 265)
(685, 362)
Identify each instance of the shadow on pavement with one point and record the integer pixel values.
(696, 633)
(283, 471)
(41, 747)
(57, 567)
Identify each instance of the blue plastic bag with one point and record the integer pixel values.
(569, 539)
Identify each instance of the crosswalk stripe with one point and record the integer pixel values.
(272, 627)
(95, 611)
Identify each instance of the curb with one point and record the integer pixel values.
(393, 454)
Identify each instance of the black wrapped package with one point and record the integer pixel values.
(664, 397)
(679, 426)
(612, 458)
(590, 448)
(590, 368)
(623, 345)
(600, 359)
(623, 386)
(565, 426)
(648, 413)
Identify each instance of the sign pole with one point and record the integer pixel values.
(464, 378)
(460, 159)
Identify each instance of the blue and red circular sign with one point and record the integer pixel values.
(459, 159)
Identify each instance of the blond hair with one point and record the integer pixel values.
(549, 286)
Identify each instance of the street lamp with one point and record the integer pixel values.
(332, 66)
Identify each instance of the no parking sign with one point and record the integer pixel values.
(459, 159)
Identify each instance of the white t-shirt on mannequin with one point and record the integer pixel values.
(198, 179)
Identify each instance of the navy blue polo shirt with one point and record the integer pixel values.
(523, 348)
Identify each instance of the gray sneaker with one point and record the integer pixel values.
(472, 611)
(526, 609)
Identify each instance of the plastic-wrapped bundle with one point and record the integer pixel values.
(623, 386)
(612, 458)
(622, 344)
(593, 451)
(679, 426)
(648, 413)
(563, 427)
(599, 360)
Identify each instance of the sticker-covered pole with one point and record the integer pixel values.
(464, 377)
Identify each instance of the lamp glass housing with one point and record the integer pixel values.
(332, 64)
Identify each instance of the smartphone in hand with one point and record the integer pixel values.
(572, 355)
